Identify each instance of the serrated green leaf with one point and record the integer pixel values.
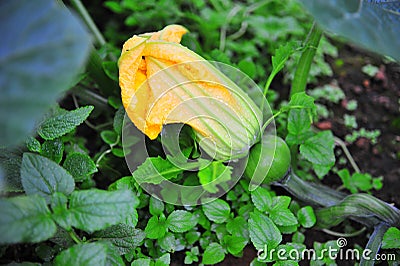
(213, 254)
(180, 221)
(282, 217)
(319, 148)
(156, 206)
(33, 144)
(83, 254)
(167, 242)
(80, 165)
(350, 22)
(155, 228)
(18, 214)
(281, 56)
(298, 126)
(155, 170)
(238, 227)
(42, 176)
(164, 260)
(141, 262)
(214, 174)
(36, 64)
(124, 237)
(94, 209)
(302, 100)
(261, 199)
(306, 217)
(235, 244)
(113, 257)
(61, 124)
(53, 149)
(217, 211)
(391, 238)
(263, 231)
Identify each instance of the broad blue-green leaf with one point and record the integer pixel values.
(61, 215)
(141, 262)
(63, 122)
(43, 49)
(263, 231)
(80, 165)
(213, 254)
(180, 221)
(83, 254)
(124, 237)
(25, 219)
(217, 211)
(42, 176)
(366, 24)
(319, 148)
(95, 209)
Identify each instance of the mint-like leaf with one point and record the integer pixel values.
(19, 214)
(261, 199)
(180, 221)
(83, 254)
(94, 209)
(42, 176)
(217, 211)
(319, 148)
(155, 170)
(123, 237)
(80, 165)
(63, 123)
(213, 175)
(263, 231)
(213, 254)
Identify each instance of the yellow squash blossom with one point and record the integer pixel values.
(163, 82)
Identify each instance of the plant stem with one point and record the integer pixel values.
(303, 67)
(348, 154)
(80, 8)
(374, 244)
(74, 236)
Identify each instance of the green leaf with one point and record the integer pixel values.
(213, 175)
(261, 199)
(141, 262)
(319, 148)
(248, 67)
(155, 170)
(83, 254)
(235, 244)
(213, 254)
(155, 228)
(124, 237)
(53, 149)
(25, 219)
(298, 126)
(391, 238)
(63, 123)
(40, 61)
(119, 121)
(306, 217)
(238, 227)
(302, 100)
(80, 165)
(111, 69)
(263, 231)
(95, 209)
(168, 242)
(217, 211)
(33, 144)
(181, 221)
(42, 176)
(10, 165)
(349, 21)
(109, 136)
(156, 206)
(164, 260)
(282, 217)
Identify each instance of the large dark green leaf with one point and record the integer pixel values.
(43, 49)
(42, 176)
(25, 219)
(365, 23)
(83, 254)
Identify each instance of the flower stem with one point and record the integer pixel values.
(303, 67)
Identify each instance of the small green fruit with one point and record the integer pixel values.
(268, 160)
